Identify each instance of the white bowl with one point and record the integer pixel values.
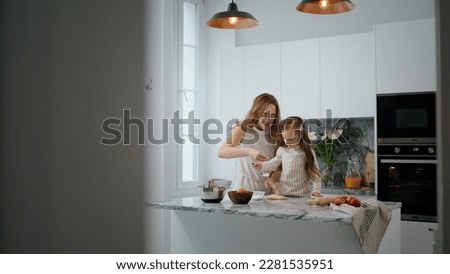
(258, 195)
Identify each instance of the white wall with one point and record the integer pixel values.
(66, 66)
(216, 39)
(159, 104)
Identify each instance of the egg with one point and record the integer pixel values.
(241, 190)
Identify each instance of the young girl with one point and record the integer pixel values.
(298, 160)
(255, 139)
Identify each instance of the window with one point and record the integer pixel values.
(188, 91)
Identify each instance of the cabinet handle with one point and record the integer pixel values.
(407, 161)
(431, 229)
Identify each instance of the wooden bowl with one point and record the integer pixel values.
(240, 198)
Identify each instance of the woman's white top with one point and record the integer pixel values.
(293, 179)
(246, 175)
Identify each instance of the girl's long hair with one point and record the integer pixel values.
(295, 122)
(260, 103)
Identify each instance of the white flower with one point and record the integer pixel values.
(335, 134)
(312, 136)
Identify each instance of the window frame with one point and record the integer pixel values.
(189, 185)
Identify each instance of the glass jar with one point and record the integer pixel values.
(352, 177)
(327, 175)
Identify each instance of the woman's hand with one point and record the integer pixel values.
(256, 156)
(316, 194)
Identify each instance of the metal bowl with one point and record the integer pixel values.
(211, 195)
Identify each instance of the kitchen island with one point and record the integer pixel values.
(268, 226)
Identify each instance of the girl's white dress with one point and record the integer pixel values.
(247, 176)
(293, 179)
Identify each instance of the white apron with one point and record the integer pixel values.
(247, 176)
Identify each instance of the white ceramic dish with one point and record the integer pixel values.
(258, 195)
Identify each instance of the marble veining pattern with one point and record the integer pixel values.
(357, 140)
(290, 209)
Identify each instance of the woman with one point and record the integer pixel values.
(255, 139)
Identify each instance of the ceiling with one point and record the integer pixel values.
(280, 21)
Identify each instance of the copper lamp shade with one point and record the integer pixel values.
(325, 6)
(232, 19)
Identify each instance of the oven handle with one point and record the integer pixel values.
(407, 161)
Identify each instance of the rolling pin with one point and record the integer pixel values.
(323, 200)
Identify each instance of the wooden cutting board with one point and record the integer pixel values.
(369, 169)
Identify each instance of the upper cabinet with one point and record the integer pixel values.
(306, 76)
(347, 75)
(262, 71)
(300, 81)
(406, 56)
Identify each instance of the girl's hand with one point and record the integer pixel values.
(256, 156)
(270, 184)
(316, 194)
(257, 165)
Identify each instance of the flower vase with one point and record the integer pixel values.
(327, 175)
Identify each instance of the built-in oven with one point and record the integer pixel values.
(406, 118)
(407, 174)
(406, 153)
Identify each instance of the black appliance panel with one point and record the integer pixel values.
(410, 180)
(406, 118)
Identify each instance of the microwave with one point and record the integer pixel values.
(406, 118)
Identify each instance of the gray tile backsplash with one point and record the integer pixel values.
(356, 144)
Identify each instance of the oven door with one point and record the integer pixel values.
(411, 181)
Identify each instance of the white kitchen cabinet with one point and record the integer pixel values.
(347, 75)
(262, 71)
(232, 84)
(300, 79)
(418, 237)
(406, 56)
(306, 76)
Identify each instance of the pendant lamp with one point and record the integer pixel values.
(232, 19)
(325, 6)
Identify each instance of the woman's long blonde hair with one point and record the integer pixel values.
(260, 103)
(295, 122)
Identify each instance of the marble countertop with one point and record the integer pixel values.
(290, 209)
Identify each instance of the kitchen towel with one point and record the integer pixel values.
(370, 222)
